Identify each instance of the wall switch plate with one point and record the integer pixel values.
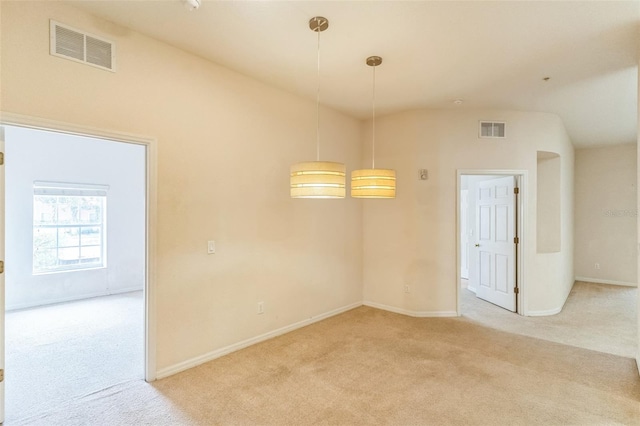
(211, 247)
(260, 308)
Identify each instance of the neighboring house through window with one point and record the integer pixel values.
(69, 223)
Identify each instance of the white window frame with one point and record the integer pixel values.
(58, 189)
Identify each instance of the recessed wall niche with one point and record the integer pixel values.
(548, 203)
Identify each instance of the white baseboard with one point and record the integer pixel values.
(612, 282)
(471, 289)
(46, 302)
(543, 313)
(553, 311)
(193, 362)
(417, 314)
(126, 290)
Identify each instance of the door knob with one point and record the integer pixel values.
(477, 245)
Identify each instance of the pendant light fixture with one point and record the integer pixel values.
(373, 183)
(318, 179)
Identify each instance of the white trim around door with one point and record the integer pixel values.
(150, 145)
(521, 209)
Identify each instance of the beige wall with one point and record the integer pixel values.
(606, 214)
(412, 240)
(638, 224)
(225, 145)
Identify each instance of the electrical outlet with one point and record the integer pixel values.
(597, 266)
(406, 289)
(260, 308)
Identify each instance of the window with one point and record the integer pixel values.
(68, 228)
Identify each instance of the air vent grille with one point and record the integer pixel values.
(69, 43)
(73, 44)
(99, 52)
(492, 129)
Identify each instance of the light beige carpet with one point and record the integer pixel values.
(595, 316)
(61, 352)
(368, 366)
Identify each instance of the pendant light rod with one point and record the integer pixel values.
(373, 183)
(318, 179)
(318, 24)
(373, 61)
(318, 105)
(373, 121)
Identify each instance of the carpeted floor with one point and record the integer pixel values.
(368, 366)
(66, 351)
(596, 316)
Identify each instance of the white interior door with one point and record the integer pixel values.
(2, 276)
(464, 233)
(495, 248)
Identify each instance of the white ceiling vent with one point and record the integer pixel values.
(492, 129)
(69, 43)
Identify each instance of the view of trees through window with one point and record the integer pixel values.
(68, 232)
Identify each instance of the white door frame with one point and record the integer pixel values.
(150, 145)
(2, 275)
(464, 235)
(521, 207)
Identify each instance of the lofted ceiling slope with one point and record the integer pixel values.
(489, 54)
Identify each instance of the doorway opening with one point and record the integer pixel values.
(77, 285)
(490, 238)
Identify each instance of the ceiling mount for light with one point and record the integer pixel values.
(318, 24)
(192, 4)
(318, 179)
(374, 61)
(373, 183)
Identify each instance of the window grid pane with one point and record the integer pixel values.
(68, 232)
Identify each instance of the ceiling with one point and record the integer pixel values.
(492, 54)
